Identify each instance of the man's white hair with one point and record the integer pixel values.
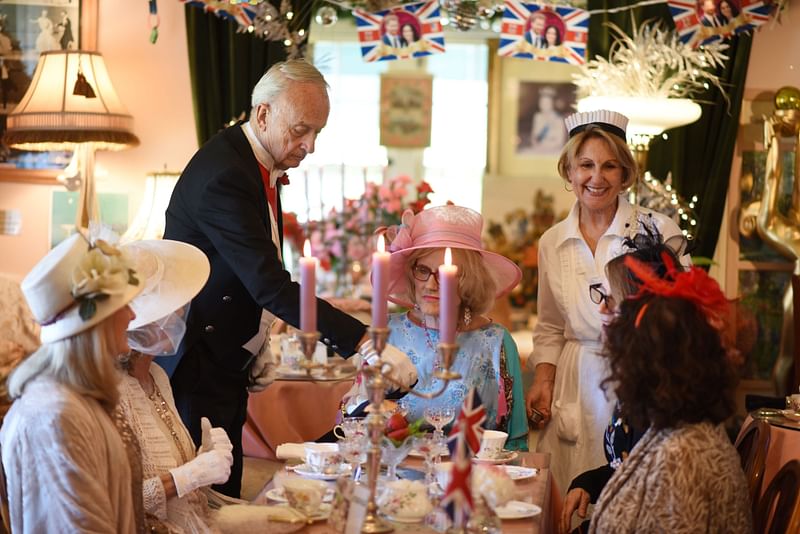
(278, 77)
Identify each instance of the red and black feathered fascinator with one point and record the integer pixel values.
(693, 285)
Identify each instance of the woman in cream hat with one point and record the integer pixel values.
(65, 462)
(487, 357)
(176, 479)
(598, 167)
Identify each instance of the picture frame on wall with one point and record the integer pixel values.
(405, 110)
(528, 101)
(27, 28)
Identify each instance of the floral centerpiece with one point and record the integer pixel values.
(517, 238)
(342, 240)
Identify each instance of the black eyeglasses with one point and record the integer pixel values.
(597, 294)
(423, 274)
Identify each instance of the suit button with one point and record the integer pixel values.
(326, 341)
(227, 298)
(334, 347)
(209, 329)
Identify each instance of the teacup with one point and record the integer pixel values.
(492, 444)
(443, 470)
(351, 426)
(323, 457)
(793, 402)
(303, 494)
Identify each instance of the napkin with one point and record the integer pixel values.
(291, 451)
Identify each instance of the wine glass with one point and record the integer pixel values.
(392, 455)
(354, 451)
(439, 417)
(429, 446)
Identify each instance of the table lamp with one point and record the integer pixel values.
(72, 105)
(150, 221)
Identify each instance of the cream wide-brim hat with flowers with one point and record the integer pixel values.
(76, 286)
(172, 273)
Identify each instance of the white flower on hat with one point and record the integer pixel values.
(102, 272)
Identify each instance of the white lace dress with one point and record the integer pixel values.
(161, 452)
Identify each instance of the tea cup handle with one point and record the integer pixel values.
(338, 431)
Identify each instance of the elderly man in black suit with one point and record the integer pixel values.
(227, 203)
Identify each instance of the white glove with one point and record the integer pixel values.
(214, 438)
(262, 372)
(212, 467)
(400, 368)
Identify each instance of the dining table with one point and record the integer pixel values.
(784, 441)
(536, 490)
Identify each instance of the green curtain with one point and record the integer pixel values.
(225, 65)
(698, 155)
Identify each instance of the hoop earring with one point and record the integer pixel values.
(567, 187)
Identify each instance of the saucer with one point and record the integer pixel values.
(516, 472)
(305, 470)
(502, 458)
(278, 495)
(406, 519)
(517, 510)
(321, 514)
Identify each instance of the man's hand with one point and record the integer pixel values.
(262, 372)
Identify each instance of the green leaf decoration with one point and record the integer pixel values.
(87, 309)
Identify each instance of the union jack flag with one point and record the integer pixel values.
(463, 442)
(243, 14)
(560, 36)
(695, 29)
(416, 31)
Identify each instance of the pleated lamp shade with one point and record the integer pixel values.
(70, 101)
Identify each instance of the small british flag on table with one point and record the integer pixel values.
(464, 442)
(412, 30)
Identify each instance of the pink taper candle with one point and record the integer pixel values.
(380, 284)
(308, 290)
(448, 298)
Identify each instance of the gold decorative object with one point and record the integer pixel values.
(787, 98)
(782, 231)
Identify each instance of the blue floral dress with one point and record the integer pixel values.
(487, 360)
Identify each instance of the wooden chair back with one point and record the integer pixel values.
(752, 444)
(778, 510)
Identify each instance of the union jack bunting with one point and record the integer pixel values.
(470, 419)
(243, 14)
(412, 30)
(736, 16)
(545, 33)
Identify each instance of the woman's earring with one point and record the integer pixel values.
(567, 187)
(467, 316)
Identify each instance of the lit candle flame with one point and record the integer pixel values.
(381, 244)
(307, 249)
(448, 256)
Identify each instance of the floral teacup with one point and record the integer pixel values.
(323, 457)
(492, 444)
(405, 500)
(304, 495)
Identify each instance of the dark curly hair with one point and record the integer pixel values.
(672, 368)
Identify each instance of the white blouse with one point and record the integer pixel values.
(160, 453)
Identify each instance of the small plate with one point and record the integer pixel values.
(278, 495)
(791, 414)
(322, 513)
(505, 457)
(517, 510)
(520, 473)
(401, 519)
(304, 470)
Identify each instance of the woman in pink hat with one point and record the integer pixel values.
(487, 357)
(566, 397)
(67, 455)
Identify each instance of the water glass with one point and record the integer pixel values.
(354, 451)
(439, 417)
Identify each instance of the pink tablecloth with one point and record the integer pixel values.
(290, 412)
(784, 445)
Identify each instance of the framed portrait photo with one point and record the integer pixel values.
(28, 28)
(528, 101)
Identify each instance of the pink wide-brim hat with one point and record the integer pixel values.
(440, 227)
